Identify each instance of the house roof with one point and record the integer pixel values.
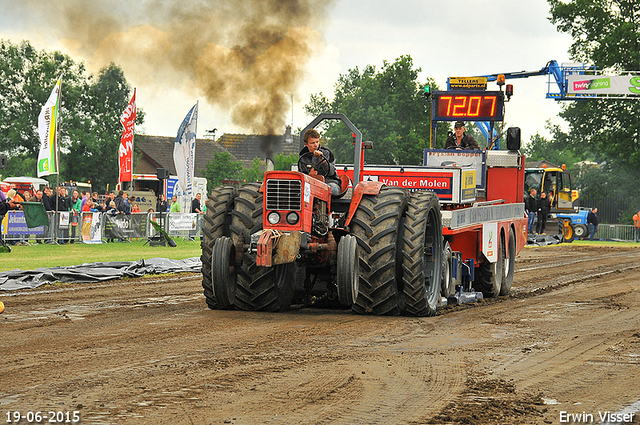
(247, 147)
(159, 151)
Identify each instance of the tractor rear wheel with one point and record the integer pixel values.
(509, 264)
(223, 272)
(422, 255)
(490, 275)
(347, 273)
(258, 288)
(216, 224)
(376, 225)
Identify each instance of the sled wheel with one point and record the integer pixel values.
(446, 284)
(490, 275)
(509, 264)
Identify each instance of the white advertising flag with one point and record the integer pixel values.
(184, 151)
(47, 130)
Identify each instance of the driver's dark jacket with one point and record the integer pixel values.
(467, 142)
(314, 160)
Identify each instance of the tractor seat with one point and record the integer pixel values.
(344, 186)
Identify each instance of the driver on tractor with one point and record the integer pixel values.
(317, 160)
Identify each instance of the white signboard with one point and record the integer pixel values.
(182, 222)
(601, 84)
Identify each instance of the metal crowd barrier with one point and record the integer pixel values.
(98, 227)
(103, 227)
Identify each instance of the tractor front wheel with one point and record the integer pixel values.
(223, 272)
(347, 273)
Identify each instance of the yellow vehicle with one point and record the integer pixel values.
(556, 182)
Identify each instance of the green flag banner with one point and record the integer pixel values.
(34, 214)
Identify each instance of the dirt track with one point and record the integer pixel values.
(149, 351)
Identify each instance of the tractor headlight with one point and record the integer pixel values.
(293, 217)
(273, 217)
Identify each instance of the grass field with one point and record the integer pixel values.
(35, 256)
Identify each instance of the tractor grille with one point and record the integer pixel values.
(284, 195)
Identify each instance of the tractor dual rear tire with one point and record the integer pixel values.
(422, 255)
(376, 225)
(216, 224)
(258, 288)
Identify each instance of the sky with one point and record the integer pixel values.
(445, 39)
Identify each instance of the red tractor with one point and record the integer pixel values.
(378, 248)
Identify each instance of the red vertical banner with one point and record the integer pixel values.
(125, 151)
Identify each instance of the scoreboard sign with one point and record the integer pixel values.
(468, 106)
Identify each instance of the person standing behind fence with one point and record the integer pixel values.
(48, 200)
(592, 222)
(175, 206)
(636, 223)
(125, 203)
(85, 197)
(195, 204)
(119, 200)
(63, 205)
(161, 205)
(96, 202)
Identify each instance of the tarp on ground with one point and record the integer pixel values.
(95, 272)
(543, 240)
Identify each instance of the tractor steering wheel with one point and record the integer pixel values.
(321, 167)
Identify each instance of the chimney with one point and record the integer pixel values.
(287, 135)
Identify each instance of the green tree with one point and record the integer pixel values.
(555, 151)
(388, 107)
(283, 162)
(90, 110)
(93, 154)
(254, 173)
(606, 34)
(221, 167)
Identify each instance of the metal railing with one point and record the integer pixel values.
(90, 227)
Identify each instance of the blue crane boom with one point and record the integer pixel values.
(552, 69)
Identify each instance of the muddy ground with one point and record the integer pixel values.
(149, 351)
